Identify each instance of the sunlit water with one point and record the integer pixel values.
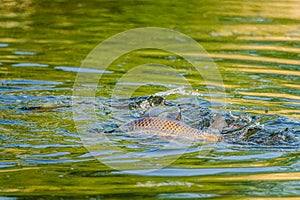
(42, 45)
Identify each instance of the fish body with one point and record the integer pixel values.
(166, 127)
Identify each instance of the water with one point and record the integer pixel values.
(42, 44)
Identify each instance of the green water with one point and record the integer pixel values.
(256, 45)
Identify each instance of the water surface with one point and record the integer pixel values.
(42, 44)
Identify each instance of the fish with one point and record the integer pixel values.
(167, 127)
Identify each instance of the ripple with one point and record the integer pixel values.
(29, 65)
(24, 53)
(10, 122)
(95, 154)
(30, 82)
(262, 70)
(83, 70)
(181, 172)
(8, 198)
(48, 161)
(282, 176)
(274, 48)
(184, 195)
(254, 156)
(282, 96)
(7, 164)
(269, 38)
(56, 154)
(3, 45)
(42, 146)
(249, 19)
(257, 98)
(255, 58)
(150, 184)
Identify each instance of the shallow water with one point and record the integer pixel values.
(42, 45)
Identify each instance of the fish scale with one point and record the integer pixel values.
(166, 127)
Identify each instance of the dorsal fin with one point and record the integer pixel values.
(179, 117)
(173, 116)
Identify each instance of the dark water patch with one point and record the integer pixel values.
(43, 108)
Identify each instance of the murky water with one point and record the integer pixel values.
(42, 44)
